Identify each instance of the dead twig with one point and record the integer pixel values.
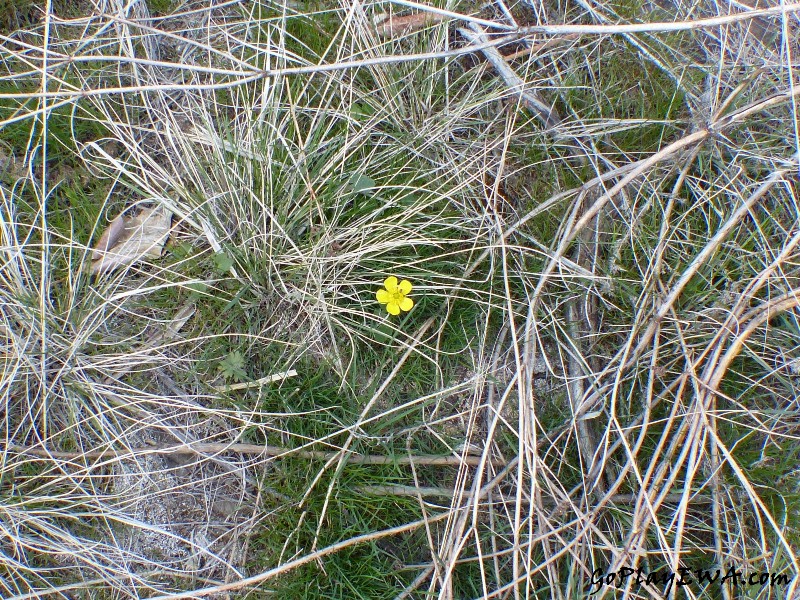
(529, 98)
(441, 492)
(250, 582)
(256, 449)
(535, 48)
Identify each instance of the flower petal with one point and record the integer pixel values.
(405, 286)
(383, 296)
(406, 304)
(393, 308)
(391, 283)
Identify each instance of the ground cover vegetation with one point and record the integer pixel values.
(399, 300)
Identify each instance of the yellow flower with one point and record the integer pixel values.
(395, 296)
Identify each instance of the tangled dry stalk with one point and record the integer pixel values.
(634, 354)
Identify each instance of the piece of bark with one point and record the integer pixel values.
(388, 26)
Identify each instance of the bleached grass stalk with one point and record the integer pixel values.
(275, 173)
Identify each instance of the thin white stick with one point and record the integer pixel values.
(558, 30)
(615, 29)
(280, 376)
(514, 81)
(293, 564)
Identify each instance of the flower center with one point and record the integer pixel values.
(397, 296)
